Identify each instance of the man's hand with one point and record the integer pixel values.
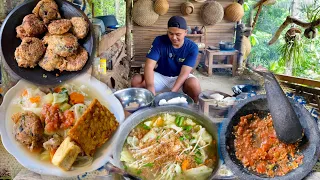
(151, 88)
(183, 76)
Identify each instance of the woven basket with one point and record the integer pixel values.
(161, 7)
(187, 8)
(212, 12)
(234, 12)
(245, 47)
(143, 13)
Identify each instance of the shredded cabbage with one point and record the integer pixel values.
(126, 156)
(133, 141)
(201, 172)
(78, 110)
(60, 98)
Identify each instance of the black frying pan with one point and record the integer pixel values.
(9, 42)
(309, 147)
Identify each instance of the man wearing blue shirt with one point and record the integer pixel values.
(175, 56)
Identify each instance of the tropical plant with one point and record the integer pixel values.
(103, 7)
(271, 57)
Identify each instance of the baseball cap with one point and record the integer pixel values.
(177, 21)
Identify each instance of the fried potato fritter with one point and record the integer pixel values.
(64, 45)
(29, 52)
(94, 127)
(59, 26)
(52, 61)
(80, 27)
(31, 27)
(28, 129)
(77, 61)
(47, 10)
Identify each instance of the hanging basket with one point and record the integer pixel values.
(143, 13)
(161, 7)
(291, 34)
(212, 12)
(234, 12)
(245, 47)
(186, 8)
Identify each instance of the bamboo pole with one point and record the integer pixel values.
(128, 39)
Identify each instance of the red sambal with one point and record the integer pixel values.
(54, 119)
(259, 149)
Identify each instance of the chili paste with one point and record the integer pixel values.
(259, 149)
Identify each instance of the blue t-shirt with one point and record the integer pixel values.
(170, 60)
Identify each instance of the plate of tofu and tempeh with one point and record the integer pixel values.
(66, 130)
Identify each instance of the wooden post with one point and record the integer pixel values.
(128, 40)
(239, 33)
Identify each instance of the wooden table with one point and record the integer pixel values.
(231, 55)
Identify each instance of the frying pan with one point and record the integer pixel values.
(9, 42)
(309, 147)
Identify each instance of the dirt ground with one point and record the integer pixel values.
(221, 81)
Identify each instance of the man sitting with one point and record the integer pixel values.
(175, 56)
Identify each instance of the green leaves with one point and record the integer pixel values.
(254, 40)
(246, 6)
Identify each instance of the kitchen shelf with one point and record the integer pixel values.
(194, 35)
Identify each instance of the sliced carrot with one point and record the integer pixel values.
(1, 90)
(159, 122)
(76, 98)
(35, 99)
(25, 93)
(184, 165)
(52, 152)
(57, 89)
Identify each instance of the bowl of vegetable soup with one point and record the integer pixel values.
(168, 142)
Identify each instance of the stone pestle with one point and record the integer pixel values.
(285, 121)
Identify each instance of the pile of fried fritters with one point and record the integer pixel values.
(59, 48)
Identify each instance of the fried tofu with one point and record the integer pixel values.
(66, 154)
(93, 128)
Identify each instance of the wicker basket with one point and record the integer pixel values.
(186, 8)
(143, 13)
(234, 12)
(212, 12)
(161, 7)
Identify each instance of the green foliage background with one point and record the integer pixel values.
(262, 54)
(107, 7)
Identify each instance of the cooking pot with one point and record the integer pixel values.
(226, 45)
(136, 118)
(309, 147)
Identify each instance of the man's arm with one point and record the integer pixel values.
(184, 73)
(149, 74)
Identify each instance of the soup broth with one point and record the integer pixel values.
(169, 146)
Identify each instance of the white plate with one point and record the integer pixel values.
(31, 160)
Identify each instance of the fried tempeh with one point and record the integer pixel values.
(94, 127)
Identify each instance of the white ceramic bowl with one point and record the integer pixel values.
(31, 160)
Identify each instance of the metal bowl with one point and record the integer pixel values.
(143, 97)
(169, 95)
(139, 116)
(309, 147)
(37, 75)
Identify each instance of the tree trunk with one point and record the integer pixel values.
(128, 29)
(289, 65)
(117, 8)
(290, 60)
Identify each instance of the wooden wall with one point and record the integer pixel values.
(143, 36)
